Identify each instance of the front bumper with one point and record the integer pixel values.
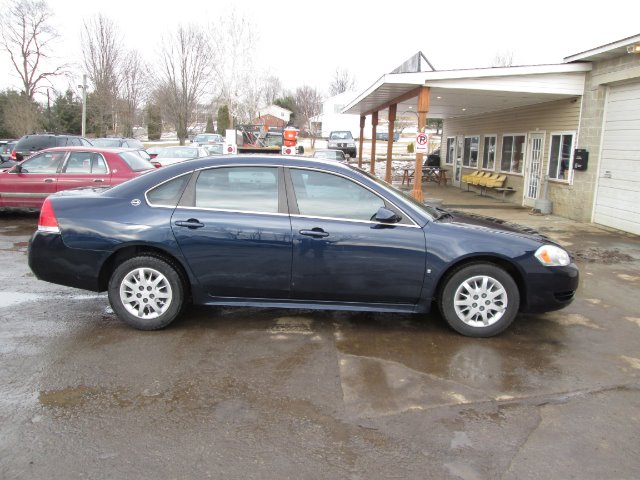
(550, 288)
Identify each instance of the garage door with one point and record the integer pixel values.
(618, 195)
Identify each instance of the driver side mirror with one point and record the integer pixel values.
(384, 215)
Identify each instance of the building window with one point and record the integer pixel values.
(489, 152)
(451, 150)
(471, 147)
(512, 153)
(561, 156)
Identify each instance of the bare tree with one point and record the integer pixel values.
(308, 105)
(503, 59)
(271, 89)
(133, 85)
(27, 35)
(251, 99)
(342, 82)
(186, 60)
(233, 39)
(102, 52)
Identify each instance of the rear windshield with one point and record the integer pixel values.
(106, 142)
(36, 143)
(135, 161)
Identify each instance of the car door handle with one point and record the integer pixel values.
(191, 223)
(98, 180)
(315, 232)
(49, 180)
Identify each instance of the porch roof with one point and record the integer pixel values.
(460, 93)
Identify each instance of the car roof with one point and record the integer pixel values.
(89, 149)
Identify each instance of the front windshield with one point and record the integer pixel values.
(431, 211)
(341, 136)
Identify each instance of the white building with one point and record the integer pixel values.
(332, 119)
(276, 111)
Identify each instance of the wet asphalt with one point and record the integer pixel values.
(276, 394)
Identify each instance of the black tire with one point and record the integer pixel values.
(479, 300)
(146, 306)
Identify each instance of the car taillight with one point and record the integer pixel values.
(48, 221)
(13, 154)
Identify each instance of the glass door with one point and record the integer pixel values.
(534, 169)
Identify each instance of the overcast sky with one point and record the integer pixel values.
(304, 42)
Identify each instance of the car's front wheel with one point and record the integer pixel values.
(146, 292)
(479, 300)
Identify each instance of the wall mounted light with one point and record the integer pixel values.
(633, 49)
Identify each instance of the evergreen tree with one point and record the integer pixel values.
(223, 120)
(209, 128)
(154, 122)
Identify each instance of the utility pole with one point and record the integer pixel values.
(84, 104)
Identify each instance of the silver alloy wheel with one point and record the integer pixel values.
(145, 293)
(480, 301)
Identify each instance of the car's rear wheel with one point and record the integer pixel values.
(146, 292)
(479, 300)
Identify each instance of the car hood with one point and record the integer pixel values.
(496, 224)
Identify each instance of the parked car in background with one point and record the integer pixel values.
(153, 151)
(29, 144)
(169, 155)
(5, 149)
(117, 142)
(343, 140)
(325, 153)
(384, 136)
(204, 139)
(274, 231)
(28, 183)
(8, 163)
(215, 148)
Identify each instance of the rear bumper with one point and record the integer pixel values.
(52, 261)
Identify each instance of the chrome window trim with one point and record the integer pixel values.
(351, 220)
(414, 224)
(222, 210)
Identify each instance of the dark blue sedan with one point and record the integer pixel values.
(271, 231)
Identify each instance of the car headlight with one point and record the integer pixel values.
(351, 144)
(333, 144)
(552, 256)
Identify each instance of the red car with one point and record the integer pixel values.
(27, 184)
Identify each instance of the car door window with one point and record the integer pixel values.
(98, 164)
(326, 195)
(78, 162)
(43, 163)
(246, 189)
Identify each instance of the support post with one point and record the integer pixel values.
(362, 122)
(84, 105)
(392, 119)
(374, 123)
(423, 108)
